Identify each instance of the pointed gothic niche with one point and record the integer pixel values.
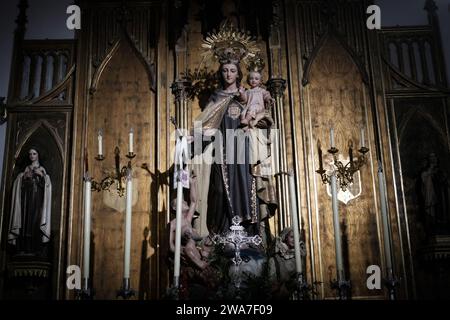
(336, 96)
(38, 276)
(122, 99)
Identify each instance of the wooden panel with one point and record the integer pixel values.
(315, 16)
(423, 121)
(337, 97)
(47, 70)
(122, 100)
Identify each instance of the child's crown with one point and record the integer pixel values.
(256, 64)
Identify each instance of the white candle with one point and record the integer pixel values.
(176, 275)
(129, 199)
(385, 221)
(100, 142)
(337, 229)
(332, 138)
(363, 143)
(295, 223)
(179, 168)
(87, 230)
(130, 141)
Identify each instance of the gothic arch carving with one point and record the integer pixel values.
(328, 36)
(418, 113)
(125, 39)
(23, 138)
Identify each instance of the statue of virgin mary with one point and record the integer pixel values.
(231, 164)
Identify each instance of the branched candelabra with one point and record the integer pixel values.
(344, 173)
(117, 176)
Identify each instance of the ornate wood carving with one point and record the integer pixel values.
(137, 22)
(54, 123)
(412, 54)
(44, 73)
(344, 19)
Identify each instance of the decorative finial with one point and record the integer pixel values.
(22, 19)
(430, 6)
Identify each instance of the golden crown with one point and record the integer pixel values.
(229, 45)
(255, 64)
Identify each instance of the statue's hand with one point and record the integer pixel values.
(39, 172)
(264, 123)
(272, 102)
(28, 174)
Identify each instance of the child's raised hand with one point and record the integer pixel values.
(271, 102)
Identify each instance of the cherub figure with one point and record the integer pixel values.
(282, 266)
(256, 99)
(189, 235)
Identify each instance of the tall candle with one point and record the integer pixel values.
(176, 275)
(100, 142)
(295, 223)
(129, 200)
(130, 140)
(319, 150)
(87, 231)
(332, 137)
(385, 221)
(179, 167)
(350, 151)
(363, 142)
(337, 229)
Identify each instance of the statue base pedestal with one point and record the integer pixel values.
(437, 249)
(29, 265)
(29, 277)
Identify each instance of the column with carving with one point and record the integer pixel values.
(433, 20)
(180, 89)
(277, 86)
(178, 42)
(17, 57)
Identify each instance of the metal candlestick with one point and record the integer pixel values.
(126, 292)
